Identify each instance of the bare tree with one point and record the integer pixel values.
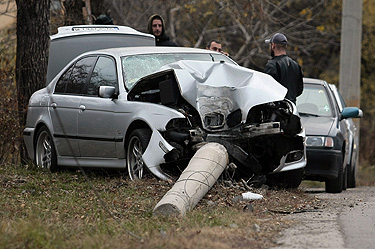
(73, 12)
(32, 52)
(241, 25)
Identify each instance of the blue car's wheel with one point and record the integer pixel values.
(335, 185)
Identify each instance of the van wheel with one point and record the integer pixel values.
(136, 146)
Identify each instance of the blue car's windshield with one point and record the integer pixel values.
(314, 101)
(135, 67)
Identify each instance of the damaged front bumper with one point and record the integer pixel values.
(252, 148)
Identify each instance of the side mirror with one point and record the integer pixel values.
(107, 91)
(351, 112)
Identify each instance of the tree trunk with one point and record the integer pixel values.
(73, 12)
(32, 54)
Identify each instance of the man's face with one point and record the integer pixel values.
(215, 47)
(157, 27)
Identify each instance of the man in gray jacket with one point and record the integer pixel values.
(284, 69)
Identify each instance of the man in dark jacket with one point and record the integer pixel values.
(156, 27)
(283, 69)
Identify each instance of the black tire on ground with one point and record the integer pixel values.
(287, 179)
(137, 144)
(352, 174)
(45, 152)
(335, 185)
(345, 178)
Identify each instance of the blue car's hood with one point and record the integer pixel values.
(317, 126)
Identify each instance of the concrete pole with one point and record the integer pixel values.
(196, 180)
(350, 55)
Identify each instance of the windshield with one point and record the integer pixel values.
(314, 101)
(135, 67)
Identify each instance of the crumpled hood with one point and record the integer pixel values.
(224, 87)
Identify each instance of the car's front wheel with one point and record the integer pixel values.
(351, 173)
(336, 185)
(45, 152)
(137, 145)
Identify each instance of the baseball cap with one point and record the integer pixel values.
(277, 38)
(103, 19)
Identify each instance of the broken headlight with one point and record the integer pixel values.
(214, 120)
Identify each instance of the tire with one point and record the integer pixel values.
(335, 185)
(287, 179)
(345, 178)
(138, 141)
(45, 152)
(352, 173)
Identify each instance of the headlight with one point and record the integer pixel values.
(315, 141)
(214, 120)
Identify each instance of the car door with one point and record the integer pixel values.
(96, 114)
(65, 106)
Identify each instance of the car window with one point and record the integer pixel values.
(104, 74)
(341, 99)
(137, 66)
(314, 100)
(80, 73)
(63, 81)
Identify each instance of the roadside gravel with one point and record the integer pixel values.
(345, 220)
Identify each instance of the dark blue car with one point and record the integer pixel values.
(327, 135)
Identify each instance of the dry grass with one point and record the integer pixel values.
(64, 210)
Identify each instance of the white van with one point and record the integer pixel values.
(71, 41)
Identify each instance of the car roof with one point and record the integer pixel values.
(125, 51)
(314, 81)
(84, 30)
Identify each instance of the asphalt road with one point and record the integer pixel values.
(345, 220)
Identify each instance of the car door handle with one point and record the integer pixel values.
(82, 107)
(54, 105)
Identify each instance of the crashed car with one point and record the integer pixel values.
(152, 108)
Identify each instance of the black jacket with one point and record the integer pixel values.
(164, 40)
(288, 73)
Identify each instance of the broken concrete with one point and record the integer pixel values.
(196, 180)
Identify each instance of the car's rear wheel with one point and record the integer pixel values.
(335, 185)
(45, 152)
(137, 145)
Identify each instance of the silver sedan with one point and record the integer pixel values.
(151, 108)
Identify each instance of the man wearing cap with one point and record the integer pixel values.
(283, 69)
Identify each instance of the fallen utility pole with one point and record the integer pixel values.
(196, 180)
